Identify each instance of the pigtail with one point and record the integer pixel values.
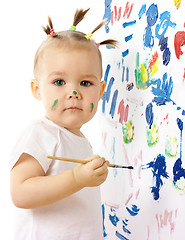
(79, 16)
(99, 26)
(49, 28)
(110, 42)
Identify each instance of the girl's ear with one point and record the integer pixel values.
(102, 88)
(35, 89)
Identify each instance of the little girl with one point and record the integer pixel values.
(54, 199)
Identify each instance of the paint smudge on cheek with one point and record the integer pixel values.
(92, 107)
(54, 106)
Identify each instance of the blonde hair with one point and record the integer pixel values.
(69, 38)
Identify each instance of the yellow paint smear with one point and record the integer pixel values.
(177, 3)
(144, 73)
(155, 67)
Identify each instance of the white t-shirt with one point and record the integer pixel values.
(77, 217)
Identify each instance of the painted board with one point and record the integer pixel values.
(142, 120)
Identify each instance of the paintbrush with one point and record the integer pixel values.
(86, 161)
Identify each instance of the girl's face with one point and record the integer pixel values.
(69, 85)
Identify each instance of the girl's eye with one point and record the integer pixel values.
(59, 82)
(85, 83)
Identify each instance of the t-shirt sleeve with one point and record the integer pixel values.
(37, 141)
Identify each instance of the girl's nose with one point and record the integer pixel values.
(74, 95)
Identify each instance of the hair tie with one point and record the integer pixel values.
(52, 33)
(97, 44)
(72, 28)
(89, 36)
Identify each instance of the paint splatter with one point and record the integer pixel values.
(129, 86)
(163, 90)
(120, 236)
(54, 106)
(149, 115)
(113, 104)
(152, 16)
(164, 23)
(103, 215)
(113, 218)
(143, 73)
(163, 43)
(171, 146)
(128, 132)
(107, 14)
(152, 135)
(134, 210)
(158, 167)
(142, 11)
(179, 41)
(106, 94)
(123, 111)
(177, 3)
(92, 107)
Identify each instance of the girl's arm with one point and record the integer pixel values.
(30, 188)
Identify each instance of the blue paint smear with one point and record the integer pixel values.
(142, 11)
(163, 91)
(166, 56)
(163, 25)
(123, 74)
(107, 73)
(103, 215)
(163, 43)
(106, 94)
(125, 222)
(113, 156)
(110, 47)
(113, 104)
(127, 74)
(158, 167)
(107, 14)
(148, 39)
(125, 53)
(178, 171)
(149, 115)
(133, 211)
(128, 24)
(114, 219)
(152, 15)
(128, 38)
(183, 112)
(120, 236)
(180, 126)
(126, 230)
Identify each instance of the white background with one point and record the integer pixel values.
(21, 34)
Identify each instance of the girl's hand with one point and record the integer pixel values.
(91, 174)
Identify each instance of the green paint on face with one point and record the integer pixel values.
(92, 106)
(74, 92)
(54, 106)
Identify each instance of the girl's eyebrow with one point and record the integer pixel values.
(57, 74)
(89, 76)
